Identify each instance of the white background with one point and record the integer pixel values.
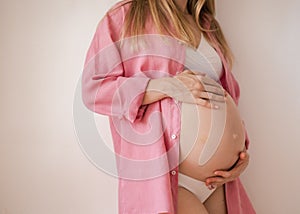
(43, 46)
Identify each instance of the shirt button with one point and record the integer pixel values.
(173, 172)
(173, 136)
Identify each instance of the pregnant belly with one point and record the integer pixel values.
(210, 139)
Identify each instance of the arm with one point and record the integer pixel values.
(154, 91)
(185, 87)
(105, 89)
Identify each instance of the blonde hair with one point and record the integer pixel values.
(166, 13)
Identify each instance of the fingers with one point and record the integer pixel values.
(223, 177)
(243, 160)
(210, 92)
(211, 86)
(206, 103)
(211, 96)
(207, 81)
(215, 90)
(223, 174)
(188, 72)
(206, 99)
(220, 178)
(215, 182)
(201, 76)
(203, 102)
(203, 89)
(212, 186)
(244, 155)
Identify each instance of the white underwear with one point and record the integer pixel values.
(195, 186)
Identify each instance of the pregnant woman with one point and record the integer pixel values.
(160, 70)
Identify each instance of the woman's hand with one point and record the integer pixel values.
(198, 89)
(223, 177)
(186, 87)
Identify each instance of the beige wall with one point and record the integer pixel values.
(42, 168)
(264, 35)
(43, 45)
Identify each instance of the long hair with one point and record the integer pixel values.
(166, 13)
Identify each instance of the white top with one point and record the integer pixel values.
(204, 59)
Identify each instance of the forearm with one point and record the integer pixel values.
(156, 90)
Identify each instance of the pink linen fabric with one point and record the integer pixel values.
(146, 137)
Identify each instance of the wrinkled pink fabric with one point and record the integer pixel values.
(146, 137)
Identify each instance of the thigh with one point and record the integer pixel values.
(216, 203)
(189, 203)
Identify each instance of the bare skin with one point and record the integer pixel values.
(187, 201)
(219, 134)
(154, 93)
(191, 80)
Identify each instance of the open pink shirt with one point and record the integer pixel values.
(146, 137)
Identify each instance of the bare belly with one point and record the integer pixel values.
(210, 139)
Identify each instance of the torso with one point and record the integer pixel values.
(210, 139)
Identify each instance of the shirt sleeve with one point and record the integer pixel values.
(105, 87)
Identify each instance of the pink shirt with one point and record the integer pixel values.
(146, 137)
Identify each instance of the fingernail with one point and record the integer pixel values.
(211, 187)
(216, 106)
